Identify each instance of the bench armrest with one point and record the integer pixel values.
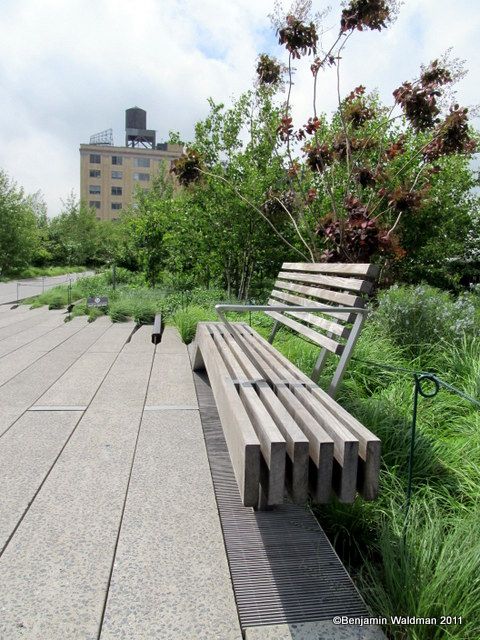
(221, 309)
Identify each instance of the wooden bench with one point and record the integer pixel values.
(282, 430)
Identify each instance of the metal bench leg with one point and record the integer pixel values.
(346, 355)
(276, 327)
(320, 363)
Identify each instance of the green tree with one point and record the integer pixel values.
(19, 239)
(77, 237)
(371, 182)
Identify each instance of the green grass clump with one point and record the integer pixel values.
(186, 321)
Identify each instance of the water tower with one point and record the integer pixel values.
(136, 132)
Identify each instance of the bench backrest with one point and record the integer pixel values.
(324, 284)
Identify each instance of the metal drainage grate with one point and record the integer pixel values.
(283, 568)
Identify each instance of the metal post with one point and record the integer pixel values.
(70, 298)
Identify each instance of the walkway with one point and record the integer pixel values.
(109, 526)
(108, 521)
(9, 292)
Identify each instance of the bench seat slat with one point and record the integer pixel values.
(345, 450)
(309, 333)
(242, 441)
(350, 284)
(369, 445)
(298, 446)
(340, 298)
(367, 270)
(317, 321)
(319, 424)
(272, 443)
(320, 443)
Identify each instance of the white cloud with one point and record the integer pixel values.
(70, 69)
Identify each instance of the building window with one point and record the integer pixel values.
(117, 160)
(116, 191)
(141, 176)
(94, 189)
(141, 162)
(95, 204)
(94, 158)
(94, 173)
(117, 175)
(116, 206)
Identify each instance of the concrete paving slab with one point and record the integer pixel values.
(170, 577)
(324, 630)
(19, 393)
(55, 319)
(81, 341)
(171, 342)
(78, 385)
(61, 333)
(20, 313)
(18, 360)
(114, 339)
(141, 341)
(56, 568)
(171, 381)
(30, 319)
(26, 456)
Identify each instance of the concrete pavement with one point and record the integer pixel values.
(20, 289)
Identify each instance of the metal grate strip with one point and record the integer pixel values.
(283, 568)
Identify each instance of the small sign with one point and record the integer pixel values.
(97, 301)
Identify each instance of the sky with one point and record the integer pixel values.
(70, 68)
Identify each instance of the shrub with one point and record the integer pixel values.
(422, 316)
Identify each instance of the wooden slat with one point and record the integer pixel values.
(272, 443)
(369, 445)
(314, 336)
(272, 447)
(298, 445)
(264, 364)
(242, 441)
(306, 302)
(345, 445)
(316, 321)
(233, 366)
(350, 284)
(342, 299)
(367, 270)
(369, 450)
(279, 362)
(246, 364)
(320, 443)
